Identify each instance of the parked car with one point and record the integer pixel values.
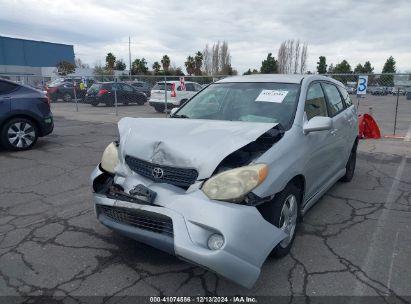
(175, 95)
(398, 91)
(25, 115)
(351, 90)
(141, 86)
(379, 91)
(65, 91)
(223, 182)
(103, 92)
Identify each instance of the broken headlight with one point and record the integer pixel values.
(110, 157)
(234, 184)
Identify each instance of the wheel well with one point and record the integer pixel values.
(299, 182)
(22, 116)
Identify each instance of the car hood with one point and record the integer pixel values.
(186, 143)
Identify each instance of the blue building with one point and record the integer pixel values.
(29, 57)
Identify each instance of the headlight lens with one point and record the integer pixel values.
(110, 157)
(234, 184)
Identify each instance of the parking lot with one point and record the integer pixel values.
(355, 241)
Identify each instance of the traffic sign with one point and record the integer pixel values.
(362, 85)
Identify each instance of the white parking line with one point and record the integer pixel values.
(372, 254)
(408, 136)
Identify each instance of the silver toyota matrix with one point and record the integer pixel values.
(223, 182)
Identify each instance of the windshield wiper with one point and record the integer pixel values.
(180, 116)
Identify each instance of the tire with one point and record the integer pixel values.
(350, 166)
(94, 103)
(19, 134)
(67, 97)
(275, 213)
(159, 109)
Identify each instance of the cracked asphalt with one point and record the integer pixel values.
(355, 241)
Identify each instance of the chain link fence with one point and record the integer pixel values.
(387, 99)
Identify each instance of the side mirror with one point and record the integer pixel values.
(173, 110)
(318, 123)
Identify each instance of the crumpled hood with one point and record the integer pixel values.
(186, 143)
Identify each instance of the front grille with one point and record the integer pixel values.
(146, 220)
(181, 177)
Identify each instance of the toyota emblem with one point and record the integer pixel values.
(157, 173)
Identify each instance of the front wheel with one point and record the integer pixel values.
(67, 97)
(159, 109)
(283, 212)
(19, 134)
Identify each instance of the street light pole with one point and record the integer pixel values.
(129, 59)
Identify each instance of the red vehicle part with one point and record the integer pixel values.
(367, 127)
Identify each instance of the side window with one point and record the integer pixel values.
(335, 102)
(7, 87)
(197, 87)
(127, 88)
(190, 87)
(315, 102)
(345, 96)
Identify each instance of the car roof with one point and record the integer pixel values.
(176, 81)
(280, 78)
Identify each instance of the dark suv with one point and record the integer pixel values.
(141, 86)
(104, 92)
(65, 91)
(24, 115)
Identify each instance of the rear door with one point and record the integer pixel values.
(157, 92)
(129, 94)
(341, 128)
(6, 88)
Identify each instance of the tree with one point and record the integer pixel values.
(64, 68)
(364, 69)
(389, 67)
(292, 57)
(342, 68)
(120, 65)
(156, 67)
(110, 61)
(139, 67)
(322, 65)
(190, 65)
(198, 59)
(80, 64)
(217, 59)
(269, 65)
(331, 69)
(248, 72)
(165, 61)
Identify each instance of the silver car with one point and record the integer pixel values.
(225, 180)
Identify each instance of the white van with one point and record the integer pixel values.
(175, 95)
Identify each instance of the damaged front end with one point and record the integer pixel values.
(151, 187)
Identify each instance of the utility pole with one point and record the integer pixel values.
(129, 59)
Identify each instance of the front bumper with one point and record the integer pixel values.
(248, 238)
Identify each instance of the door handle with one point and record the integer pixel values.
(333, 132)
(5, 98)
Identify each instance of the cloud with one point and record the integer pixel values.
(339, 29)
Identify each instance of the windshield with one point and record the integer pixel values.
(160, 86)
(255, 102)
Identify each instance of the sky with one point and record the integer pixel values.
(355, 30)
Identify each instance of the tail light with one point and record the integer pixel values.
(102, 91)
(51, 90)
(173, 90)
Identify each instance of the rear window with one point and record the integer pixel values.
(160, 86)
(95, 88)
(7, 87)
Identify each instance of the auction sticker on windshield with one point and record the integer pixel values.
(272, 96)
